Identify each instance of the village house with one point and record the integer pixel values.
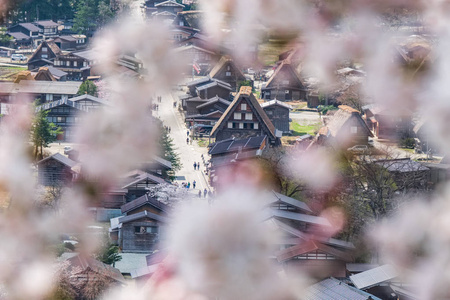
(56, 170)
(278, 113)
(45, 54)
(332, 288)
(227, 71)
(345, 128)
(47, 28)
(189, 18)
(87, 274)
(77, 65)
(406, 173)
(195, 55)
(55, 73)
(25, 34)
(388, 123)
(284, 84)
(142, 228)
(244, 118)
(166, 11)
(45, 91)
(206, 112)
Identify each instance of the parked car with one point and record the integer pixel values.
(19, 57)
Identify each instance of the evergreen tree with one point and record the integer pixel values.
(169, 153)
(42, 133)
(88, 87)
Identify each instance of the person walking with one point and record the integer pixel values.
(187, 141)
(188, 185)
(195, 166)
(198, 166)
(193, 184)
(199, 193)
(187, 133)
(205, 192)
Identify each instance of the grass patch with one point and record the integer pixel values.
(203, 142)
(408, 150)
(13, 68)
(269, 51)
(257, 94)
(298, 130)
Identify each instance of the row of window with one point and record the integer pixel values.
(236, 125)
(241, 116)
(66, 120)
(51, 97)
(67, 63)
(145, 229)
(315, 255)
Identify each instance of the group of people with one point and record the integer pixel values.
(167, 128)
(205, 192)
(197, 166)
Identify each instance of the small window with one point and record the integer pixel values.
(44, 49)
(244, 106)
(237, 116)
(354, 129)
(230, 124)
(255, 125)
(248, 116)
(228, 74)
(241, 125)
(68, 63)
(74, 63)
(44, 56)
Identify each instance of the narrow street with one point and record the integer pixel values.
(189, 153)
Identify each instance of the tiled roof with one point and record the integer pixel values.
(307, 247)
(46, 23)
(53, 104)
(19, 36)
(232, 145)
(140, 176)
(215, 83)
(333, 289)
(29, 26)
(61, 158)
(169, 3)
(274, 213)
(141, 201)
(275, 102)
(374, 276)
(143, 214)
(213, 101)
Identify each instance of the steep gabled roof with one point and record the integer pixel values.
(341, 117)
(222, 63)
(49, 44)
(285, 68)
(53, 104)
(192, 18)
(307, 247)
(274, 103)
(85, 263)
(245, 91)
(144, 200)
(277, 197)
(293, 216)
(61, 158)
(169, 3)
(213, 101)
(137, 176)
(143, 214)
(44, 74)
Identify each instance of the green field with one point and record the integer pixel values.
(9, 73)
(298, 129)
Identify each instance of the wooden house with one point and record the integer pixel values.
(180, 33)
(47, 28)
(56, 170)
(226, 70)
(284, 84)
(64, 114)
(25, 34)
(388, 123)
(207, 88)
(89, 103)
(205, 112)
(203, 58)
(190, 18)
(137, 183)
(46, 91)
(139, 232)
(54, 72)
(278, 113)
(77, 65)
(166, 11)
(87, 274)
(244, 118)
(344, 129)
(66, 42)
(45, 54)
